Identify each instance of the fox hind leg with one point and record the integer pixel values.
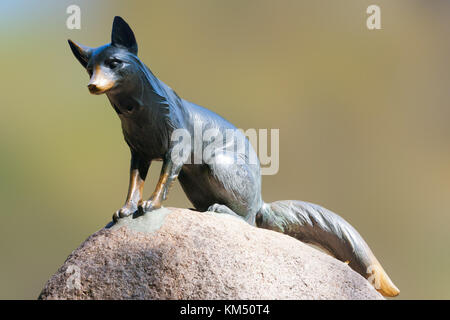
(221, 208)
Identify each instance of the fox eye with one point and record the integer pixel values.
(113, 63)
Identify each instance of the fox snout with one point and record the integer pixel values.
(100, 82)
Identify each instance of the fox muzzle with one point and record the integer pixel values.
(100, 82)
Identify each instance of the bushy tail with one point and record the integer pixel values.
(313, 224)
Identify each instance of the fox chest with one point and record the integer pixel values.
(146, 136)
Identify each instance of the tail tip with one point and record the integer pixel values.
(381, 281)
(389, 291)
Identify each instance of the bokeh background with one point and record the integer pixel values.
(363, 118)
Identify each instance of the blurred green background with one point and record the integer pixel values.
(363, 118)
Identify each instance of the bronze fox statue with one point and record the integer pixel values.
(150, 112)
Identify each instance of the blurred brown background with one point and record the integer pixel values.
(363, 118)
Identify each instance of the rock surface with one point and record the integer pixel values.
(182, 254)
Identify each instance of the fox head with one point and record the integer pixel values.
(113, 65)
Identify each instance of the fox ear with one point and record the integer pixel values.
(123, 36)
(80, 52)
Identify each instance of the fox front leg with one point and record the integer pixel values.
(169, 173)
(138, 173)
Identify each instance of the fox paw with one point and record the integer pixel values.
(123, 212)
(147, 206)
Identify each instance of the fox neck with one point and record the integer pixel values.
(143, 91)
(127, 98)
(147, 108)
